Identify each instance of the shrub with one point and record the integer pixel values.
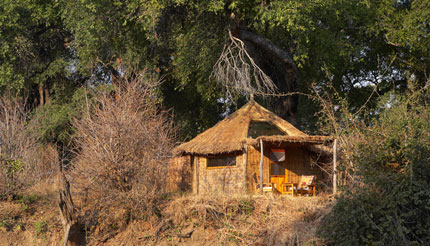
(387, 161)
(124, 140)
(22, 160)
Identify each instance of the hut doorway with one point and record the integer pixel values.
(278, 168)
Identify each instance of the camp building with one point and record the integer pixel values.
(248, 151)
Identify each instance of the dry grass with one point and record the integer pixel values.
(238, 220)
(185, 220)
(260, 220)
(33, 219)
(9, 210)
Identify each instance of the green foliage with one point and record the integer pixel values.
(53, 122)
(40, 228)
(342, 41)
(387, 201)
(104, 31)
(27, 199)
(54, 125)
(20, 226)
(406, 27)
(32, 49)
(11, 169)
(4, 223)
(247, 205)
(63, 44)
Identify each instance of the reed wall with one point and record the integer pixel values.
(220, 179)
(179, 174)
(192, 173)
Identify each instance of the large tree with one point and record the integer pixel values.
(35, 55)
(359, 47)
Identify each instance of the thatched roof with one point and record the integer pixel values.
(292, 139)
(231, 134)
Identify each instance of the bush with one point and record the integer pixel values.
(124, 141)
(22, 160)
(387, 158)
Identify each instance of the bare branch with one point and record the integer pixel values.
(22, 159)
(123, 145)
(237, 71)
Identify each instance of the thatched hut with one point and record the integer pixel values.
(242, 153)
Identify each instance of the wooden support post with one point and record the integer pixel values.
(245, 162)
(197, 160)
(261, 165)
(334, 166)
(194, 177)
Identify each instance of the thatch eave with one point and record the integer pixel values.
(231, 134)
(226, 151)
(219, 148)
(315, 139)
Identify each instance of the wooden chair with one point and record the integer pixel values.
(289, 188)
(277, 182)
(306, 185)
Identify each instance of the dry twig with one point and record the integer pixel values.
(237, 71)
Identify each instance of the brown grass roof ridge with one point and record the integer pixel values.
(231, 134)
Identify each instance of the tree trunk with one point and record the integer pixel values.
(47, 96)
(270, 47)
(285, 80)
(41, 98)
(73, 233)
(44, 96)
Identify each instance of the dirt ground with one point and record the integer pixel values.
(185, 220)
(31, 219)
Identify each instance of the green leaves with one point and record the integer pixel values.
(353, 45)
(109, 30)
(53, 122)
(387, 201)
(31, 39)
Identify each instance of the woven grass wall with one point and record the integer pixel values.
(179, 174)
(185, 174)
(299, 163)
(220, 180)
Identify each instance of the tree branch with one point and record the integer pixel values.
(268, 46)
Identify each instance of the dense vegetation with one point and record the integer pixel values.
(354, 69)
(386, 171)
